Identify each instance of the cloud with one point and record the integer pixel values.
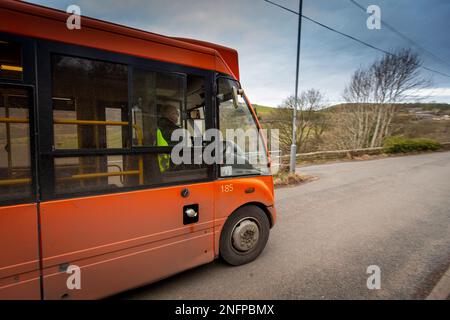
(433, 92)
(265, 36)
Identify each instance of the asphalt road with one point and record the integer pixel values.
(393, 213)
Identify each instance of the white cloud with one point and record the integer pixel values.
(432, 92)
(265, 37)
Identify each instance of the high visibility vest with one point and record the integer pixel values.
(163, 159)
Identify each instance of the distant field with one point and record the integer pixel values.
(263, 110)
(434, 108)
(413, 120)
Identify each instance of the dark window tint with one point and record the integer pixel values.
(15, 173)
(195, 108)
(159, 107)
(90, 103)
(99, 173)
(158, 100)
(91, 111)
(10, 61)
(91, 173)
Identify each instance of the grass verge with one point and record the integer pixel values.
(285, 179)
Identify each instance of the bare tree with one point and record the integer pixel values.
(310, 123)
(371, 97)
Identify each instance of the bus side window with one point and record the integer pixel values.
(10, 61)
(156, 96)
(91, 117)
(195, 109)
(15, 163)
(85, 91)
(15, 172)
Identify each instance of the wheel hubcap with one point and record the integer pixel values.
(245, 235)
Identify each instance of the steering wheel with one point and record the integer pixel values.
(232, 151)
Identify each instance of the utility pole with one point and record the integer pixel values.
(294, 118)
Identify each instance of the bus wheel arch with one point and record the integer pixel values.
(263, 207)
(244, 235)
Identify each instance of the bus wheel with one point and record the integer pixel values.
(244, 235)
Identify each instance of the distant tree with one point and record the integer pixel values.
(310, 122)
(371, 96)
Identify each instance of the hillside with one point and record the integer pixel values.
(262, 111)
(435, 108)
(412, 120)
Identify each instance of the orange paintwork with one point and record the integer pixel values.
(120, 240)
(227, 203)
(125, 240)
(119, 236)
(230, 56)
(40, 22)
(19, 253)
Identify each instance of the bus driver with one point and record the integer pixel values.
(167, 124)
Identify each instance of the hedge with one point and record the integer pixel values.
(398, 144)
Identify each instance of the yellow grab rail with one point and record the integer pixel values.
(139, 135)
(10, 182)
(101, 175)
(13, 120)
(102, 123)
(11, 68)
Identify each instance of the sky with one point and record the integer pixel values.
(266, 38)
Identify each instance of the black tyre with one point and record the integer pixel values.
(244, 235)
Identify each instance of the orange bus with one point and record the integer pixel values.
(81, 182)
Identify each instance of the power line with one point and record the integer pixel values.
(282, 7)
(348, 36)
(435, 71)
(402, 35)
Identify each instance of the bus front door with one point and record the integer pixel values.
(100, 245)
(19, 250)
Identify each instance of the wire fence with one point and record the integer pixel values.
(279, 160)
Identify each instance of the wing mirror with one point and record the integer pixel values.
(236, 93)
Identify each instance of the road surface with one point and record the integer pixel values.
(393, 213)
